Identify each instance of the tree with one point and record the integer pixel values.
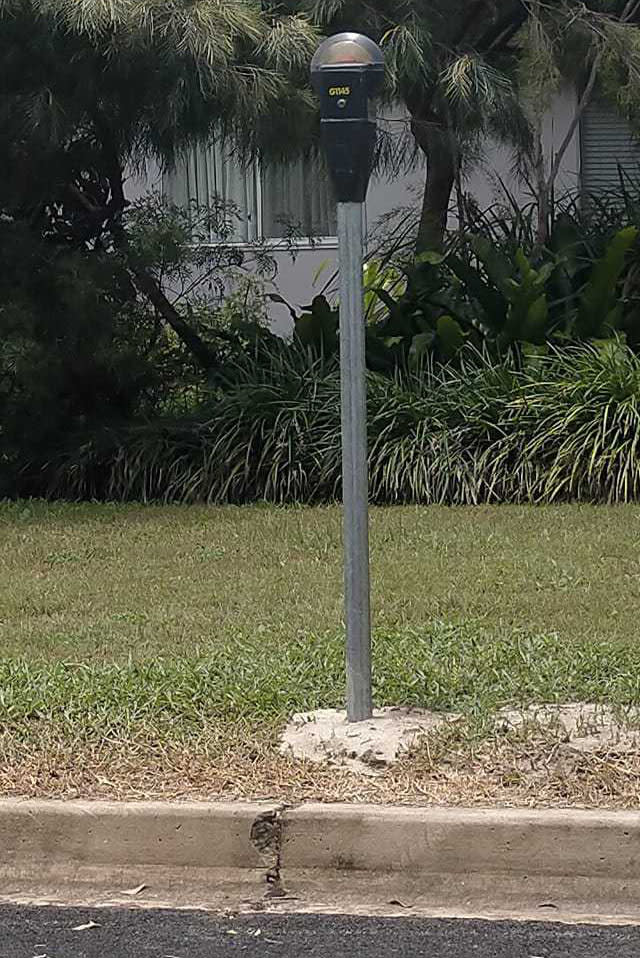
(89, 89)
(596, 48)
(466, 69)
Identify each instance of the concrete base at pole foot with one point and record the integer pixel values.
(366, 747)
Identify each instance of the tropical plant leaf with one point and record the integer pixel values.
(600, 294)
(449, 336)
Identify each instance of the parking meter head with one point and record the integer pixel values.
(347, 71)
(348, 49)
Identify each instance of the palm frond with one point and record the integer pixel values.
(539, 72)
(471, 81)
(324, 11)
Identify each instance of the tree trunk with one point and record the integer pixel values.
(149, 287)
(142, 278)
(541, 187)
(435, 142)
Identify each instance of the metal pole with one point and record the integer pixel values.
(354, 463)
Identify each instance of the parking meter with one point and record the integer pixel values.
(347, 71)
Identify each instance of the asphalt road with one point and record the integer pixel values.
(27, 932)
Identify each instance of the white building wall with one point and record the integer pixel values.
(301, 277)
(140, 182)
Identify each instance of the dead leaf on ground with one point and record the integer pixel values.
(403, 904)
(134, 891)
(87, 926)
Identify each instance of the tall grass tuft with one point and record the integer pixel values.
(585, 425)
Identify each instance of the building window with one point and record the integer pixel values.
(268, 202)
(609, 150)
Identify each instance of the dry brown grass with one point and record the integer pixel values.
(529, 771)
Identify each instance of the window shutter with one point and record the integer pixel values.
(607, 147)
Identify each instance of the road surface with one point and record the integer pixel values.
(47, 932)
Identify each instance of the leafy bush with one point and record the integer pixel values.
(76, 350)
(561, 426)
(82, 350)
(496, 287)
(478, 390)
(492, 298)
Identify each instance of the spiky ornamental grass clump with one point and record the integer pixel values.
(563, 426)
(586, 425)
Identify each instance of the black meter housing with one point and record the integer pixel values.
(347, 71)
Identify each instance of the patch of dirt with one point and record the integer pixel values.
(587, 727)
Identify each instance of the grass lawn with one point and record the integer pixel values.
(157, 650)
(104, 582)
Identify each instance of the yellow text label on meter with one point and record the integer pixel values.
(339, 90)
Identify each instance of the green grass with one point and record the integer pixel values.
(157, 650)
(103, 583)
(179, 700)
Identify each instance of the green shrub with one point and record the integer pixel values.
(496, 287)
(560, 426)
(84, 352)
(478, 388)
(585, 425)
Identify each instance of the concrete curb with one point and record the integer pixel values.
(75, 833)
(442, 858)
(464, 841)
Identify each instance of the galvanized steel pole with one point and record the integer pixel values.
(355, 481)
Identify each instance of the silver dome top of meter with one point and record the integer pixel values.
(347, 50)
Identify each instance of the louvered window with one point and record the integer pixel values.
(609, 150)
